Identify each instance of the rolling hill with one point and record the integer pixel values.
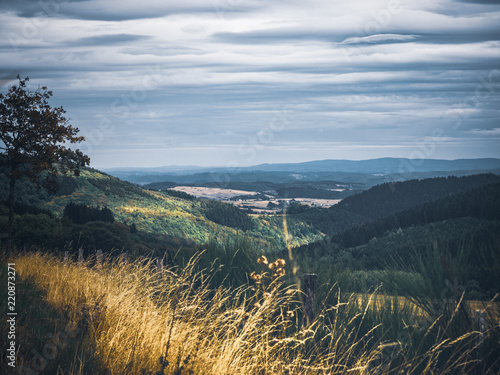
(389, 198)
(453, 223)
(384, 165)
(158, 213)
(448, 222)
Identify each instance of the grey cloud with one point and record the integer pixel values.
(459, 37)
(102, 11)
(390, 88)
(7, 78)
(379, 38)
(108, 39)
(393, 35)
(173, 50)
(484, 2)
(279, 35)
(30, 8)
(125, 15)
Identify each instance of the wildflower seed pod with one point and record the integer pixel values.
(263, 260)
(280, 272)
(255, 277)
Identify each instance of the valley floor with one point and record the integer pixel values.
(262, 204)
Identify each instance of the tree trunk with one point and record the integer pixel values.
(11, 211)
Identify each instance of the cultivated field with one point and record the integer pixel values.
(212, 193)
(257, 205)
(262, 206)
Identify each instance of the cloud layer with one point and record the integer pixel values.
(241, 82)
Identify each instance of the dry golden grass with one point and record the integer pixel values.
(134, 320)
(137, 324)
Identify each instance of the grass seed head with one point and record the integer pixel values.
(262, 260)
(279, 272)
(256, 277)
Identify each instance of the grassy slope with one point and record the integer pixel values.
(42, 329)
(155, 212)
(133, 321)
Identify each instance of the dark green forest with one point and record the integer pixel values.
(384, 200)
(228, 215)
(80, 213)
(460, 231)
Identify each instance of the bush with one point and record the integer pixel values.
(105, 236)
(33, 229)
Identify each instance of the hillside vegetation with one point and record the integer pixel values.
(181, 219)
(134, 323)
(387, 199)
(461, 231)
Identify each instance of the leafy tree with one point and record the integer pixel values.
(32, 140)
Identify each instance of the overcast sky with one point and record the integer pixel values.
(243, 82)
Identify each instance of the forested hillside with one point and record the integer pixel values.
(387, 199)
(461, 232)
(481, 203)
(182, 218)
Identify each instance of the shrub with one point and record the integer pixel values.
(38, 230)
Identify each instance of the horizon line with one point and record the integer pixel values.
(189, 166)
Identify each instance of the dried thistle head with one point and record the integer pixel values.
(280, 272)
(255, 277)
(262, 260)
(280, 263)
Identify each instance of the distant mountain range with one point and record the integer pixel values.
(393, 169)
(383, 165)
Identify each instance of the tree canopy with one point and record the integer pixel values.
(33, 139)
